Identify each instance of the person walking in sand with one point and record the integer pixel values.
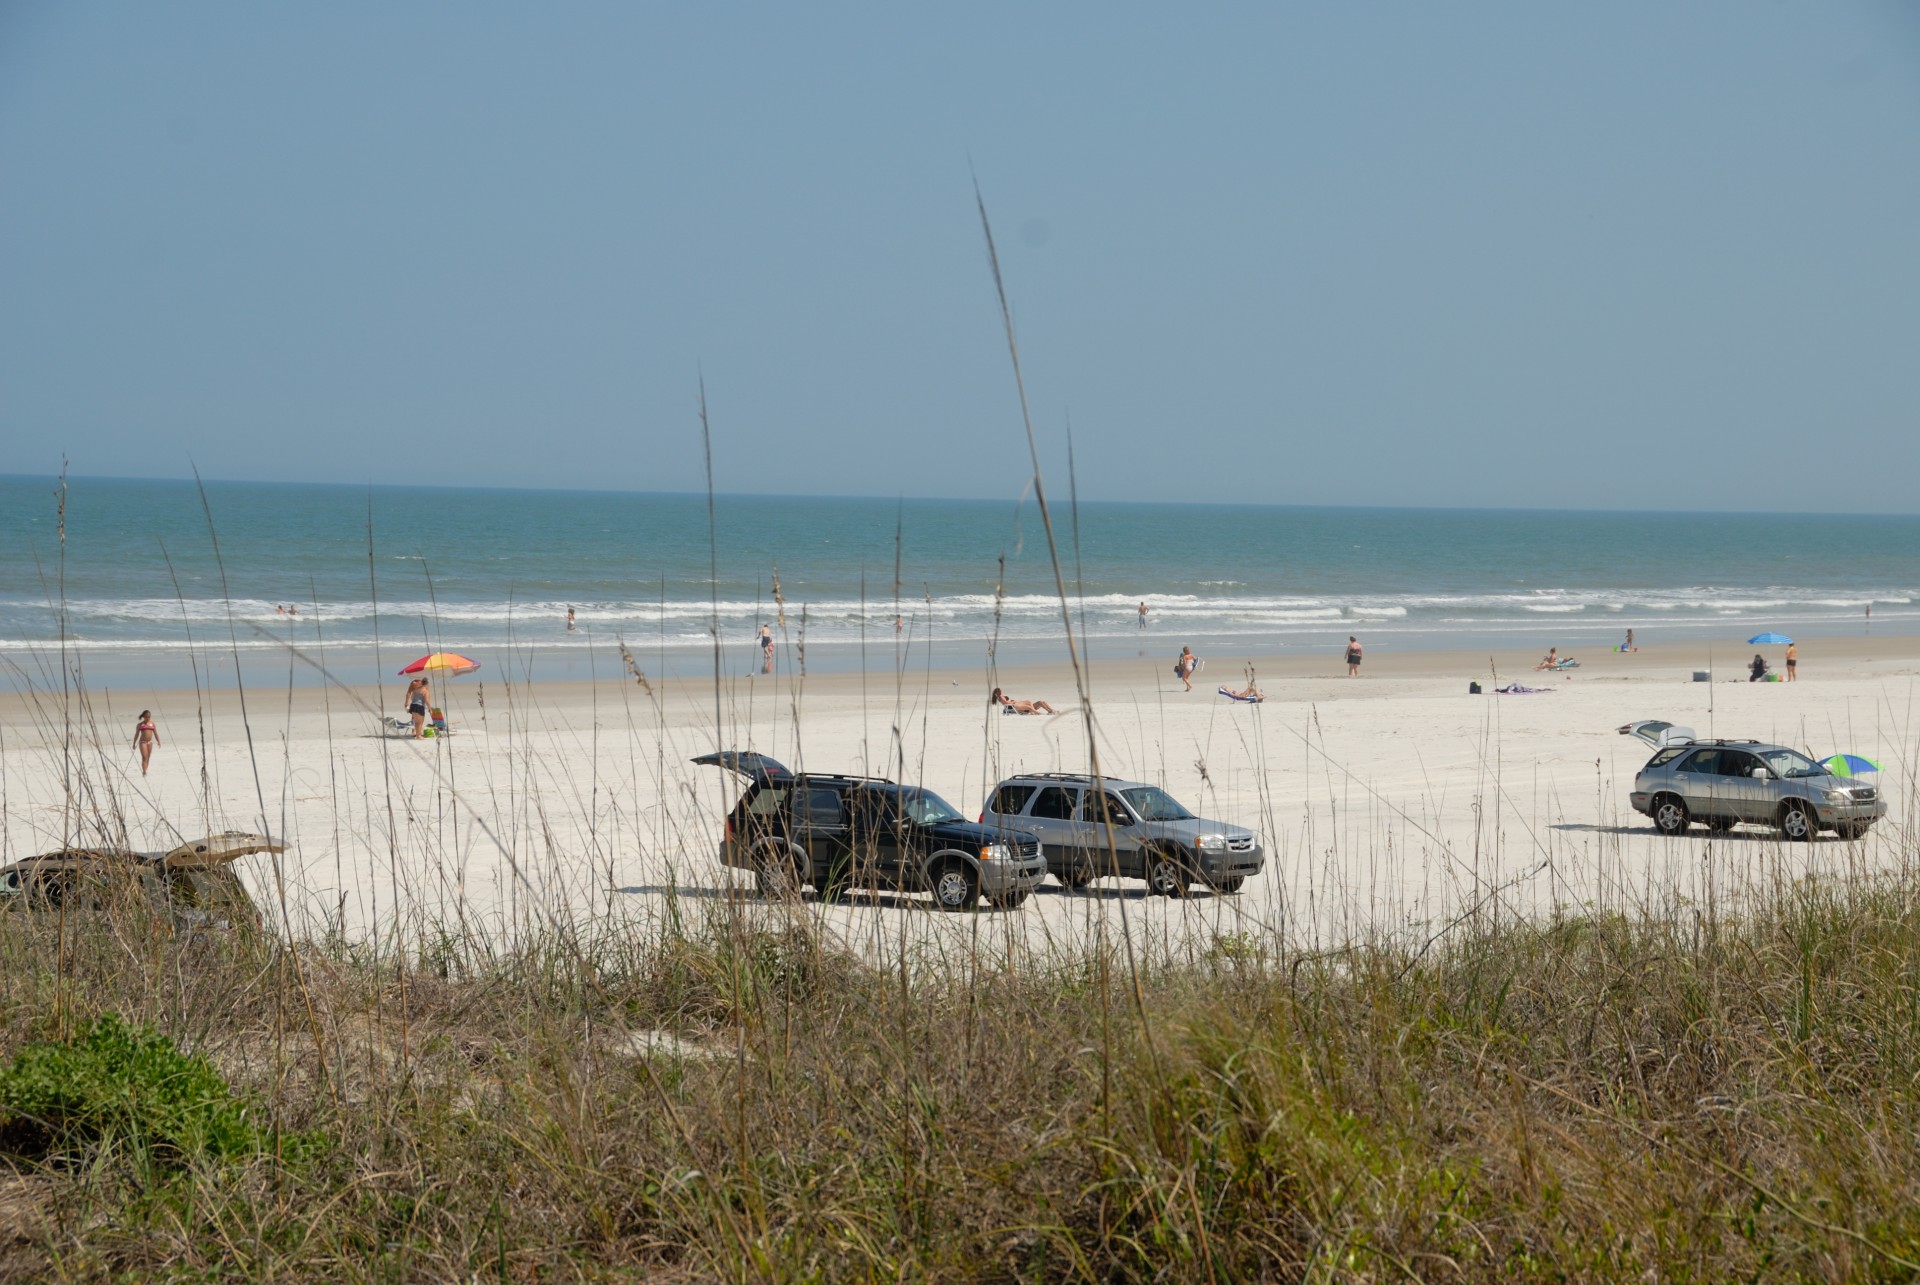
(145, 737)
(1353, 656)
(1793, 660)
(419, 699)
(1183, 668)
(766, 650)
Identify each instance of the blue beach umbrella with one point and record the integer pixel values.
(1849, 764)
(1771, 640)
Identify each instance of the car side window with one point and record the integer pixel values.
(1105, 808)
(1703, 762)
(1737, 763)
(767, 802)
(1010, 800)
(1054, 803)
(1667, 755)
(821, 806)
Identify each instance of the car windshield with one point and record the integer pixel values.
(1155, 804)
(1786, 763)
(923, 807)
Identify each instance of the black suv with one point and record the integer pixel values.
(843, 832)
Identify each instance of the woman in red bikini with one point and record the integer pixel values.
(145, 737)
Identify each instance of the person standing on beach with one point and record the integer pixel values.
(1353, 656)
(419, 697)
(766, 650)
(1143, 615)
(1793, 659)
(145, 737)
(1628, 645)
(569, 619)
(1183, 668)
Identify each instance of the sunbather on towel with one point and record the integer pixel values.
(1008, 703)
(1247, 693)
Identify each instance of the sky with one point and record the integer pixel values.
(1634, 255)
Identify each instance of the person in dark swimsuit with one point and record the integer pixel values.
(419, 696)
(1353, 656)
(766, 650)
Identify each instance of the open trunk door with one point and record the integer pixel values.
(747, 764)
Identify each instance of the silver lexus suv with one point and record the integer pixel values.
(1723, 783)
(1089, 827)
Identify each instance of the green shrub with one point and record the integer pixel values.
(118, 1083)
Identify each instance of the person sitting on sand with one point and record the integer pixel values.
(1009, 705)
(1247, 693)
(1757, 670)
(1552, 661)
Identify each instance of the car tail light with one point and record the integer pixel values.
(729, 829)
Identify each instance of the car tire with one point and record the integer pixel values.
(955, 885)
(1670, 815)
(1797, 824)
(1230, 885)
(1853, 829)
(775, 875)
(1166, 876)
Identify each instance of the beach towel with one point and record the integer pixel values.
(1236, 696)
(1567, 662)
(1521, 689)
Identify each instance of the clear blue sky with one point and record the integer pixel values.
(1620, 255)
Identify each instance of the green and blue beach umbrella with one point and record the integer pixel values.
(1849, 764)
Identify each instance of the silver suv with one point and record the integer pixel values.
(1091, 826)
(1726, 782)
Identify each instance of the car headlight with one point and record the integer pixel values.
(1211, 842)
(995, 852)
(1837, 796)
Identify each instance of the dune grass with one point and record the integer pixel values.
(731, 1099)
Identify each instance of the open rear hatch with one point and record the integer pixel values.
(747, 764)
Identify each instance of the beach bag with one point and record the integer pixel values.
(1473, 689)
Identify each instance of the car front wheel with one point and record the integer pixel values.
(1796, 823)
(955, 886)
(1166, 877)
(1670, 815)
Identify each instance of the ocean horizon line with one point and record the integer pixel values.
(1020, 501)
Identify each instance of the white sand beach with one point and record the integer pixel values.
(1394, 801)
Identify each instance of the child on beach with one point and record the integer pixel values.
(145, 737)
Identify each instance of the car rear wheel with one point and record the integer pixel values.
(1670, 815)
(1796, 823)
(955, 886)
(1166, 877)
(774, 874)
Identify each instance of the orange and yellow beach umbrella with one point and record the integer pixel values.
(445, 662)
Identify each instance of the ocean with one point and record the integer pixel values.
(148, 577)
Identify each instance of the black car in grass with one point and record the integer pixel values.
(837, 833)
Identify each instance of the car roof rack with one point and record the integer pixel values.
(845, 777)
(1724, 741)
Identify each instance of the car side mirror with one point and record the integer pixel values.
(1760, 774)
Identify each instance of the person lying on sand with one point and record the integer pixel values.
(1009, 704)
(1247, 693)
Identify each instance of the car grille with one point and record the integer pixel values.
(1027, 847)
(1240, 843)
(1864, 794)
